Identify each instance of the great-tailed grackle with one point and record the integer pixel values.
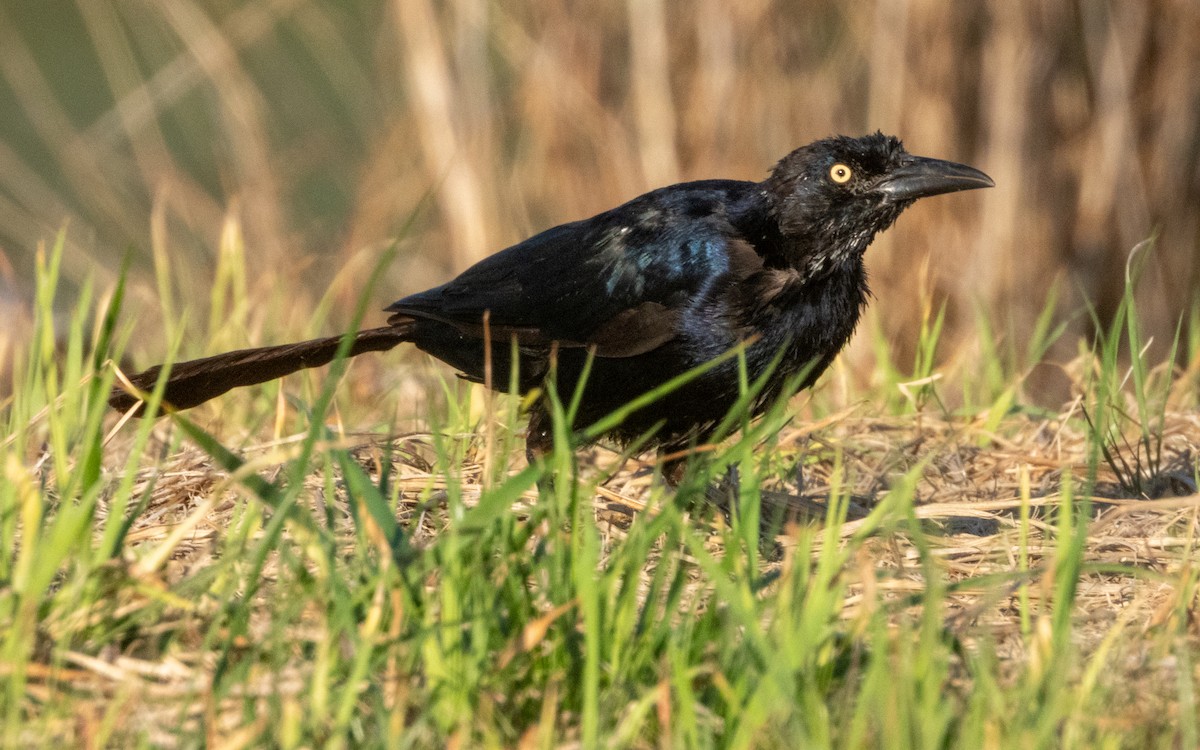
(653, 288)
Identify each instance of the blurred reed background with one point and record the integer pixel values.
(316, 132)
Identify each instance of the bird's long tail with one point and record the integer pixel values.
(194, 382)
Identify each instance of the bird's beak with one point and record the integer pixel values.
(920, 177)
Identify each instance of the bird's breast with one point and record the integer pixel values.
(804, 321)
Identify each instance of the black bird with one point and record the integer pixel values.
(652, 288)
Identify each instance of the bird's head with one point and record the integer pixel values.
(833, 196)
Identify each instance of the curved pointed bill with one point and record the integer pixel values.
(921, 177)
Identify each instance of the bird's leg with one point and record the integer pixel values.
(539, 443)
(728, 489)
(674, 464)
(725, 495)
(539, 436)
(674, 457)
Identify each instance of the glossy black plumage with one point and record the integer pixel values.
(654, 287)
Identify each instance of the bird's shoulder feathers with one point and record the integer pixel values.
(616, 281)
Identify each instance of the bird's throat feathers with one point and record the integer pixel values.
(817, 238)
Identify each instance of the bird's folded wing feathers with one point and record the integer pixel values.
(616, 285)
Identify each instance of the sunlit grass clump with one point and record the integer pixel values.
(915, 567)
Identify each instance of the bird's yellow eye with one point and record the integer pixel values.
(840, 173)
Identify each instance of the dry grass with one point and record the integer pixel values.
(972, 493)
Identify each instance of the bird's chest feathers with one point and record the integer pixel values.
(805, 317)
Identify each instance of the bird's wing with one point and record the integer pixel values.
(617, 281)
